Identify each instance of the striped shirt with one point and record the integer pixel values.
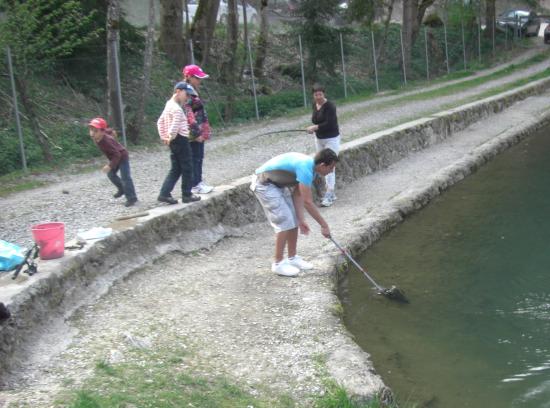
(172, 122)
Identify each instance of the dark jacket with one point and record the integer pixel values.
(326, 119)
(114, 151)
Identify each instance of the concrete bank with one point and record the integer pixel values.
(77, 279)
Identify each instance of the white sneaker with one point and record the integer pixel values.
(202, 188)
(299, 263)
(283, 268)
(327, 201)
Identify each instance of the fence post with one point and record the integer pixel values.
(302, 69)
(119, 92)
(494, 47)
(16, 111)
(505, 38)
(427, 58)
(446, 48)
(479, 38)
(374, 59)
(253, 81)
(403, 58)
(463, 43)
(343, 66)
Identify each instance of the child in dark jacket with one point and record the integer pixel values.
(117, 154)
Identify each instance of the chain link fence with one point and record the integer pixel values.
(347, 61)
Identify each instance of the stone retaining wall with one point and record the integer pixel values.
(63, 285)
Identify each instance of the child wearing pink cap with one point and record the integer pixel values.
(193, 75)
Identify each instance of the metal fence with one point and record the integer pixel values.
(348, 62)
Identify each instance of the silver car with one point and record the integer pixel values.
(522, 22)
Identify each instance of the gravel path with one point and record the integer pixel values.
(85, 200)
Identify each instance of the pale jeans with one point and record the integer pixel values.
(332, 143)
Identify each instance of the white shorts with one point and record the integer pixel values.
(277, 204)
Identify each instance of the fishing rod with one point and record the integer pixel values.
(281, 131)
(392, 293)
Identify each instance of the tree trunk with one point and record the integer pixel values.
(245, 39)
(113, 28)
(137, 124)
(171, 30)
(22, 89)
(262, 45)
(230, 59)
(383, 40)
(490, 15)
(202, 29)
(413, 14)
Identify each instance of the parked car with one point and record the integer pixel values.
(523, 21)
(251, 14)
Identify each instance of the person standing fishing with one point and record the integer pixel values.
(174, 131)
(199, 134)
(327, 135)
(282, 185)
(104, 138)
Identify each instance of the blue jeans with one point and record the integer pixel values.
(180, 157)
(197, 151)
(126, 185)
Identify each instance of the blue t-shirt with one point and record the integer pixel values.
(299, 164)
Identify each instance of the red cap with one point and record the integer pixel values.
(194, 70)
(98, 123)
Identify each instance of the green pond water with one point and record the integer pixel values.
(475, 264)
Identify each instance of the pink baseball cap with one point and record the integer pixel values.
(98, 123)
(194, 70)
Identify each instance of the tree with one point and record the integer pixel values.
(413, 14)
(321, 40)
(137, 123)
(262, 41)
(40, 33)
(202, 30)
(114, 110)
(229, 65)
(490, 15)
(171, 30)
(365, 11)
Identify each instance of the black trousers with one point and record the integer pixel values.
(181, 159)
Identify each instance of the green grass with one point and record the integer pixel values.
(461, 86)
(169, 378)
(159, 379)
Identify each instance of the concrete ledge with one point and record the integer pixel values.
(63, 285)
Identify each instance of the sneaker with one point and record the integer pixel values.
(202, 188)
(190, 199)
(118, 194)
(283, 268)
(131, 202)
(327, 200)
(167, 199)
(299, 263)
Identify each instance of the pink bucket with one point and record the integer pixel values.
(50, 237)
